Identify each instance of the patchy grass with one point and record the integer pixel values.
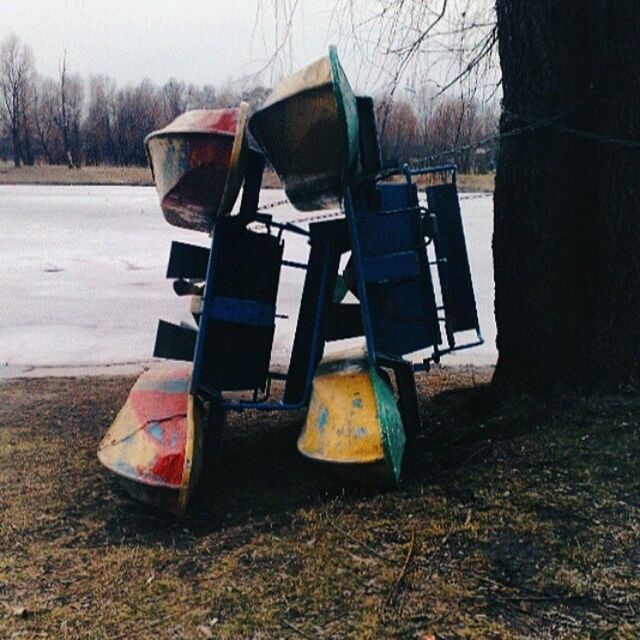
(513, 521)
(482, 182)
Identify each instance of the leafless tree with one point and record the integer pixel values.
(175, 99)
(401, 138)
(255, 95)
(68, 118)
(138, 112)
(567, 199)
(204, 97)
(49, 119)
(454, 124)
(27, 125)
(45, 110)
(16, 72)
(99, 125)
(75, 106)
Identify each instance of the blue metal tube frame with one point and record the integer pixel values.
(267, 220)
(317, 328)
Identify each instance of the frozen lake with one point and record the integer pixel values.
(82, 278)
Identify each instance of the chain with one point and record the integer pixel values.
(272, 205)
(475, 196)
(321, 216)
(549, 123)
(338, 213)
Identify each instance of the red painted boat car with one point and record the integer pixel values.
(155, 443)
(198, 163)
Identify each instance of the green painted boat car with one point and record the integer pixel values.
(353, 425)
(308, 129)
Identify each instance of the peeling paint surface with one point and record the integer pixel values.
(308, 128)
(154, 439)
(197, 163)
(353, 419)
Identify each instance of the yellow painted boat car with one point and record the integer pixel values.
(308, 129)
(353, 424)
(155, 444)
(198, 163)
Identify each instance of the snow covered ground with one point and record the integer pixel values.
(82, 278)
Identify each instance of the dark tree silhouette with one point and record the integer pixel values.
(567, 200)
(16, 73)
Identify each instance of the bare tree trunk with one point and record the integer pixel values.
(26, 133)
(42, 136)
(18, 156)
(17, 148)
(567, 205)
(64, 117)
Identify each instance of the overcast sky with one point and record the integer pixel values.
(200, 41)
(217, 41)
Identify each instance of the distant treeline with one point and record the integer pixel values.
(67, 120)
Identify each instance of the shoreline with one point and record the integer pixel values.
(13, 372)
(92, 176)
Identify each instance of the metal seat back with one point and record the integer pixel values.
(393, 278)
(237, 323)
(453, 262)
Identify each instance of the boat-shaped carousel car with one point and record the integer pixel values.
(308, 129)
(353, 424)
(198, 163)
(323, 144)
(155, 444)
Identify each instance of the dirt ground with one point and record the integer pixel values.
(517, 520)
(141, 176)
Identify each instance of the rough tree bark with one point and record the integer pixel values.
(567, 207)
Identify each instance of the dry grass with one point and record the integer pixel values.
(476, 182)
(60, 174)
(102, 175)
(466, 182)
(517, 521)
(136, 176)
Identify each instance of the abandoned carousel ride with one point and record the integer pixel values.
(388, 268)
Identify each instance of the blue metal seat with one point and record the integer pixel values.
(236, 330)
(453, 263)
(392, 271)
